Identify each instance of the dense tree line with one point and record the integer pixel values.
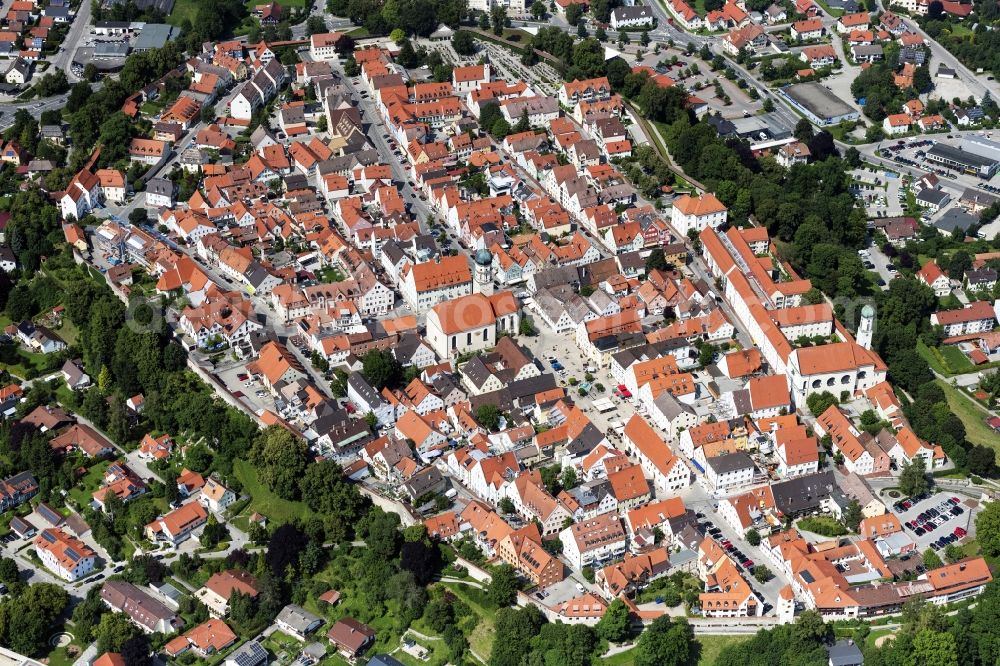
(808, 209)
(801, 644)
(414, 17)
(26, 618)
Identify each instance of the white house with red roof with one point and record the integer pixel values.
(932, 275)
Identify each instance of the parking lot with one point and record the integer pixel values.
(929, 520)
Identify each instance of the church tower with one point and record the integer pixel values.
(483, 277)
(866, 328)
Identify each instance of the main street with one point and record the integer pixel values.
(64, 59)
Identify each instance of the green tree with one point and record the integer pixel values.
(463, 43)
(753, 537)
(934, 648)
(853, 515)
(397, 36)
(988, 529)
(488, 416)
(762, 573)
(615, 625)
(913, 478)
(503, 586)
(574, 13)
(537, 10)
(665, 643)
(113, 630)
(280, 459)
(381, 369)
(8, 571)
(820, 402)
(931, 559)
(959, 263)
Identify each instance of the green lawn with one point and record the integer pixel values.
(81, 491)
(956, 360)
(183, 9)
(37, 363)
(931, 358)
(710, 648)
(822, 525)
(68, 331)
(329, 274)
(264, 501)
(481, 638)
(976, 430)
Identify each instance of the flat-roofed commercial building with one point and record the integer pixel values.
(962, 160)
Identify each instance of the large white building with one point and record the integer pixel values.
(836, 367)
(658, 462)
(593, 541)
(978, 317)
(471, 323)
(426, 284)
(697, 213)
(65, 556)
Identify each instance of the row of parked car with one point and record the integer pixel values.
(957, 534)
(935, 517)
(734, 553)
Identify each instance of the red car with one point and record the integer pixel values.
(960, 532)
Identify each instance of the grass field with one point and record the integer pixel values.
(710, 648)
(931, 358)
(264, 501)
(976, 430)
(183, 9)
(91, 481)
(26, 360)
(956, 360)
(481, 638)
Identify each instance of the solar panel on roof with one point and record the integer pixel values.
(49, 515)
(72, 554)
(48, 536)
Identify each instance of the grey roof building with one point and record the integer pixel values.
(250, 653)
(298, 621)
(156, 35)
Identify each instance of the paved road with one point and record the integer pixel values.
(64, 59)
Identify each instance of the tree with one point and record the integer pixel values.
(498, 19)
(284, 548)
(934, 648)
(853, 515)
(136, 650)
(397, 35)
(113, 630)
(615, 625)
(463, 43)
(574, 13)
(988, 529)
(931, 559)
(503, 586)
(537, 10)
(657, 260)
(526, 328)
(803, 130)
(506, 506)
(488, 416)
(762, 573)
(8, 571)
(665, 643)
(280, 459)
(820, 402)
(959, 263)
(381, 369)
(913, 478)
(753, 537)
